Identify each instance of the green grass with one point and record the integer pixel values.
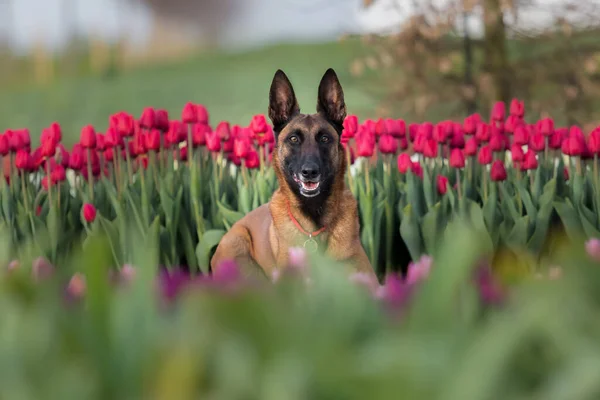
(233, 86)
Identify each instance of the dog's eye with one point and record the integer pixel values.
(294, 139)
(325, 139)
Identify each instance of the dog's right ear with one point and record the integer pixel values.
(282, 101)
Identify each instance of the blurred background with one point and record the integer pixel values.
(78, 61)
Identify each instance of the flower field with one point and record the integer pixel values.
(484, 233)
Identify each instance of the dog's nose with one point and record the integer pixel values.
(310, 170)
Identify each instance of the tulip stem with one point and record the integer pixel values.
(117, 174)
(190, 148)
(458, 186)
(348, 165)
(24, 190)
(90, 175)
(50, 181)
(261, 155)
(484, 183)
(128, 158)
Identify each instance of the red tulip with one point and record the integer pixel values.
(76, 161)
(404, 163)
(202, 114)
(498, 111)
(441, 132)
(403, 143)
(457, 140)
(431, 148)
(425, 130)
(498, 172)
(235, 160)
(213, 143)
(557, 138)
(89, 212)
(228, 145)
(485, 155)
(4, 149)
(498, 142)
(148, 118)
(517, 108)
(58, 174)
(417, 169)
(48, 148)
(547, 126)
(517, 153)
(511, 124)
(138, 144)
(56, 131)
(442, 184)
(252, 160)
(537, 142)
(15, 140)
(241, 147)
(183, 155)
(189, 114)
(365, 147)
(381, 127)
(258, 125)
(521, 136)
(457, 159)
(594, 142)
(483, 133)
(223, 130)
(351, 125)
(470, 124)
(387, 144)
(88, 137)
(112, 138)
(370, 126)
(109, 154)
(153, 140)
(176, 133)
(573, 146)
(161, 120)
(471, 147)
(530, 161)
(199, 135)
(267, 137)
(123, 123)
(396, 127)
(23, 159)
(413, 130)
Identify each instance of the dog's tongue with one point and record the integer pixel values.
(310, 185)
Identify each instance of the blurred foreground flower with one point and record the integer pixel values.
(592, 247)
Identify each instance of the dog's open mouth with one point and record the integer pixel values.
(307, 188)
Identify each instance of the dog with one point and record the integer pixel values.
(312, 208)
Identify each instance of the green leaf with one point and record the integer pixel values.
(229, 216)
(112, 234)
(428, 189)
(431, 229)
(209, 240)
(53, 225)
(517, 238)
(410, 232)
(570, 219)
(188, 245)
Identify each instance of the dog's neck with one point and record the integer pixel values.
(321, 210)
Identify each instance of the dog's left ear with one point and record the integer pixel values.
(331, 99)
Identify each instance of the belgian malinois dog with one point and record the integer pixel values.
(312, 208)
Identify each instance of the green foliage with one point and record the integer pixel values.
(322, 341)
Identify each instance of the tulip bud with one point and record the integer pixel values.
(498, 172)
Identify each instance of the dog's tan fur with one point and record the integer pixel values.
(260, 241)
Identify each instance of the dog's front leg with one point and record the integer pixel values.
(236, 245)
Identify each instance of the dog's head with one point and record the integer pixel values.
(308, 154)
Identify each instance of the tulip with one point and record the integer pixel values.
(485, 155)
(199, 135)
(241, 147)
(517, 108)
(471, 147)
(498, 111)
(431, 148)
(483, 133)
(442, 184)
(365, 147)
(88, 137)
(498, 172)
(148, 118)
(404, 163)
(4, 149)
(457, 159)
(517, 153)
(223, 130)
(252, 160)
(351, 125)
(387, 144)
(22, 160)
(530, 161)
(547, 126)
(189, 114)
(594, 142)
(161, 120)
(258, 125)
(89, 212)
(380, 128)
(537, 142)
(396, 127)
